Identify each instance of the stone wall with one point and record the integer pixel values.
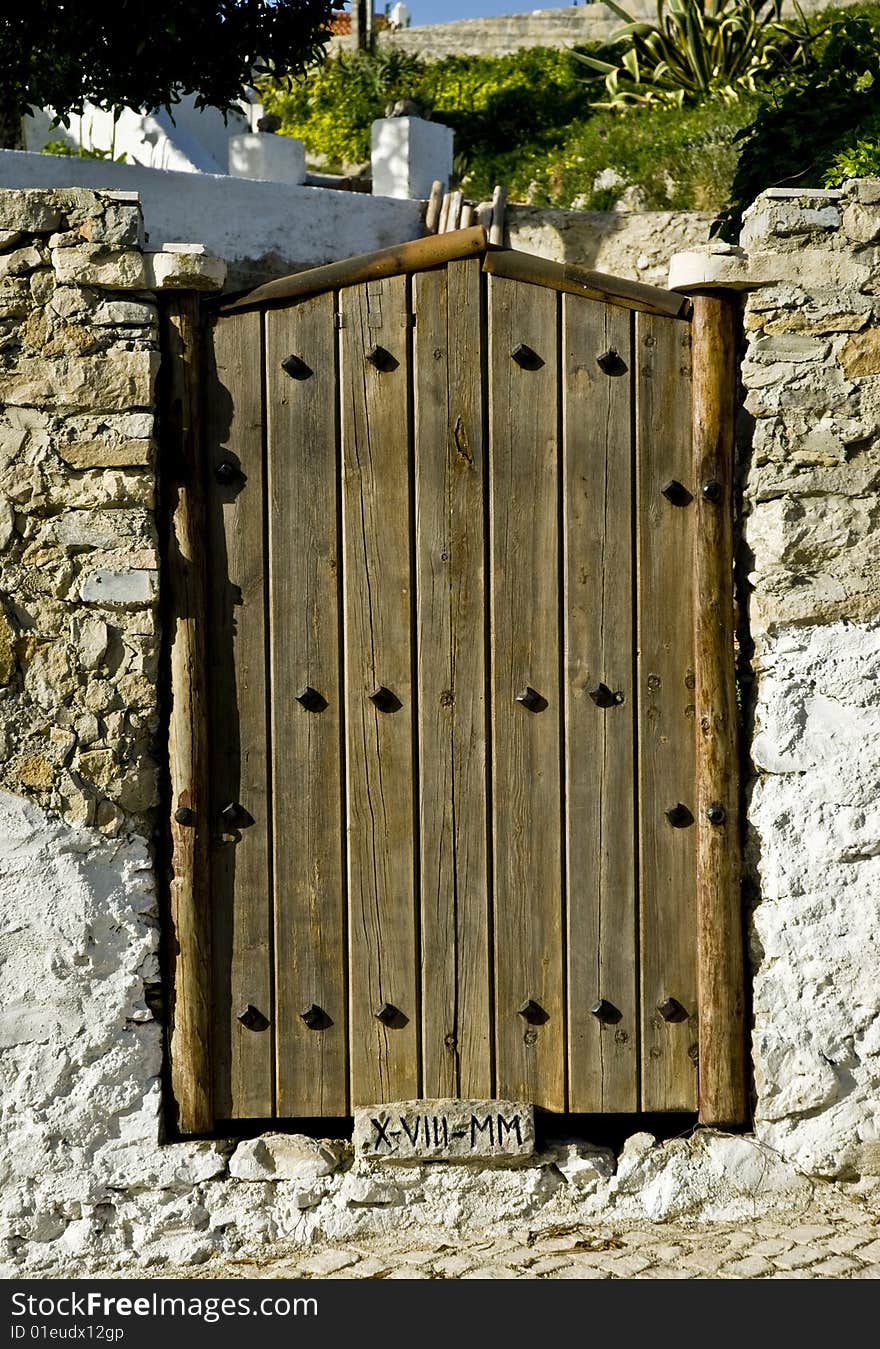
(810, 265)
(87, 1181)
(505, 33)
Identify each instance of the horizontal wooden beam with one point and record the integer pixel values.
(415, 256)
(564, 276)
(436, 249)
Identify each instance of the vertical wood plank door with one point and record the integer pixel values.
(375, 383)
(451, 678)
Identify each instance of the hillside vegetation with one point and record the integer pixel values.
(805, 111)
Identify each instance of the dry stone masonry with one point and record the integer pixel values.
(87, 1179)
(809, 263)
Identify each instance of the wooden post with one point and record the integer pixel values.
(722, 1098)
(362, 24)
(187, 730)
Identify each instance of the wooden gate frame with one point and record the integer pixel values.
(722, 1065)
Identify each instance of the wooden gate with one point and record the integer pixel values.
(452, 730)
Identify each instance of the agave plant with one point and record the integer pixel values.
(698, 47)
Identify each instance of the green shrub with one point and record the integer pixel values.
(678, 159)
(798, 132)
(861, 159)
(696, 49)
(493, 104)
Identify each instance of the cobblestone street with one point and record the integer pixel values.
(836, 1237)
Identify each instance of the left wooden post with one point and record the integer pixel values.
(190, 938)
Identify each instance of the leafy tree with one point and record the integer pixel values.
(122, 53)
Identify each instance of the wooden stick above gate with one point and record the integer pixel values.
(437, 249)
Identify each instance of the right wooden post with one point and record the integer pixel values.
(722, 1068)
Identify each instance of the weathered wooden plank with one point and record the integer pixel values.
(723, 1099)
(600, 799)
(189, 942)
(666, 716)
(526, 771)
(377, 622)
(304, 579)
(432, 251)
(240, 866)
(450, 586)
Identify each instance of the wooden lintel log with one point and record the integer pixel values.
(190, 937)
(722, 1092)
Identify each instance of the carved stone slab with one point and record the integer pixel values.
(445, 1131)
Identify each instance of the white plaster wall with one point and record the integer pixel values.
(259, 228)
(815, 849)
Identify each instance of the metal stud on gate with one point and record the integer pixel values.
(676, 493)
(603, 696)
(716, 814)
(384, 700)
(390, 1016)
(252, 1018)
(531, 699)
(526, 357)
(296, 367)
(611, 362)
(228, 471)
(712, 490)
(671, 1010)
(235, 815)
(381, 359)
(311, 699)
(185, 815)
(314, 1017)
(606, 1012)
(679, 816)
(532, 1012)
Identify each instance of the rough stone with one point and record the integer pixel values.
(108, 454)
(182, 267)
(861, 354)
(136, 587)
(117, 380)
(104, 268)
(282, 1157)
(445, 1130)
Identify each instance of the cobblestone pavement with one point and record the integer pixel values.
(835, 1238)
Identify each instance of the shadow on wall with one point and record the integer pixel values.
(636, 245)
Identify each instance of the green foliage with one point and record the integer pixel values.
(62, 55)
(698, 48)
(491, 103)
(80, 152)
(675, 158)
(333, 107)
(799, 131)
(861, 159)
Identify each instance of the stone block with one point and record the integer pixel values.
(184, 267)
(137, 587)
(108, 454)
(19, 262)
(278, 159)
(290, 1157)
(408, 154)
(861, 222)
(115, 381)
(104, 268)
(33, 211)
(486, 1132)
(861, 354)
